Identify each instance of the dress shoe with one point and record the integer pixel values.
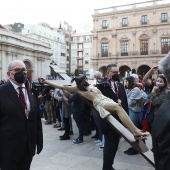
(47, 123)
(56, 126)
(62, 136)
(132, 152)
(128, 150)
(61, 129)
(65, 138)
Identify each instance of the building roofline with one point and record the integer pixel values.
(131, 7)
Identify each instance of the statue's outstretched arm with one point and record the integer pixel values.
(68, 88)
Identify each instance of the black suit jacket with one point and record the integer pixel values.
(161, 136)
(17, 133)
(108, 92)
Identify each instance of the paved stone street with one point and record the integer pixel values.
(63, 155)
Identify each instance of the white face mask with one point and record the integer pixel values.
(160, 84)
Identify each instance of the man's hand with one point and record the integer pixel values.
(40, 96)
(39, 148)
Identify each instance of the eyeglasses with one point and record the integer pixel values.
(17, 70)
(115, 72)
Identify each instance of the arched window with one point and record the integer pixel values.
(28, 65)
(29, 68)
(165, 43)
(104, 47)
(124, 44)
(144, 44)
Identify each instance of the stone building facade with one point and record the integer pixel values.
(54, 37)
(36, 55)
(81, 52)
(132, 36)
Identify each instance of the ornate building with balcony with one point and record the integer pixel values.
(132, 36)
(81, 52)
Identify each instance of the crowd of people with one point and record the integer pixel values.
(137, 102)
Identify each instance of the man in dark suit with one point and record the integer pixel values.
(20, 123)
(112, 88)
(161, 125)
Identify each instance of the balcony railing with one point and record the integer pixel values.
(165, 51)
(164, 20)
(80, 58)
(144, 53)
(80, 66)
(124, 54)
(80, 49)
(137, 53)
(134, 53)
(144, 22)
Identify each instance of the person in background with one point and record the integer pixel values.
(53, 106)
(135, 103)
(159, 90)
(56, 95)
(59, 123)
(161, 124)
(127, 73)
(78, 114)
(20, 123)
(136, 77)
(47, 97)
(66, 113)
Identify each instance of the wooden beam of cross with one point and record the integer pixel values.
(128, 136)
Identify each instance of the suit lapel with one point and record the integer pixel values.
(11, 92)
(112, 93)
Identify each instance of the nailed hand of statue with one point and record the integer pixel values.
(139, 135)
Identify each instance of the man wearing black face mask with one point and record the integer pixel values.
(20, 122)
(116, 92)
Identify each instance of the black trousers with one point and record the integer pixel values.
(21, 164)
(79, 119)
(67, 126)
(112, 139)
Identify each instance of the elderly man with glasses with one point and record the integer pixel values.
(20, 122)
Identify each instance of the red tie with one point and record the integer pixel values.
(21, 95)
(116, 91)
